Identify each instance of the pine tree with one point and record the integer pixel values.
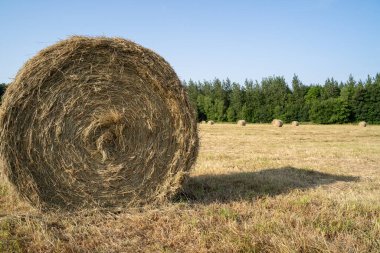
(2, 90)
(236, 103)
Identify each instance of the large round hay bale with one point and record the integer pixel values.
(277, 123)
(97, 122)
(210, 122)
(241, 122)
(203, 122)
(295, 123)
(362, 124)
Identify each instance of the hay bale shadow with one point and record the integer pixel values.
(250, 185)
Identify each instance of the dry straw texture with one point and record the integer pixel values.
(277, 123)
(210, 122)
(97, 122)
(295, 123)
(241, 122)
(362, 124)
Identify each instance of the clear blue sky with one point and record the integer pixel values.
(315, 39)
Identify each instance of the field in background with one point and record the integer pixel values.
(312, 188)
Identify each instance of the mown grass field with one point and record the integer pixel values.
(312, 188)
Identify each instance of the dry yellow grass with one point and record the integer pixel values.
(253, 189)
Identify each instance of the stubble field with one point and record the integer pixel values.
(258, 188)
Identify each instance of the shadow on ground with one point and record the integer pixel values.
(248, 185)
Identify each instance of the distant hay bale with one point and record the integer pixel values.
(241, 122)
(203, 122)
(295, 123)
(362, 124)
(210, 122)
(277, 123)
(96, 122)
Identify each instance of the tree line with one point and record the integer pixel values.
(261, 102)
(2, 89)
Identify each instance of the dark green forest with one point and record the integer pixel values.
(261, 102)
(2, 89)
